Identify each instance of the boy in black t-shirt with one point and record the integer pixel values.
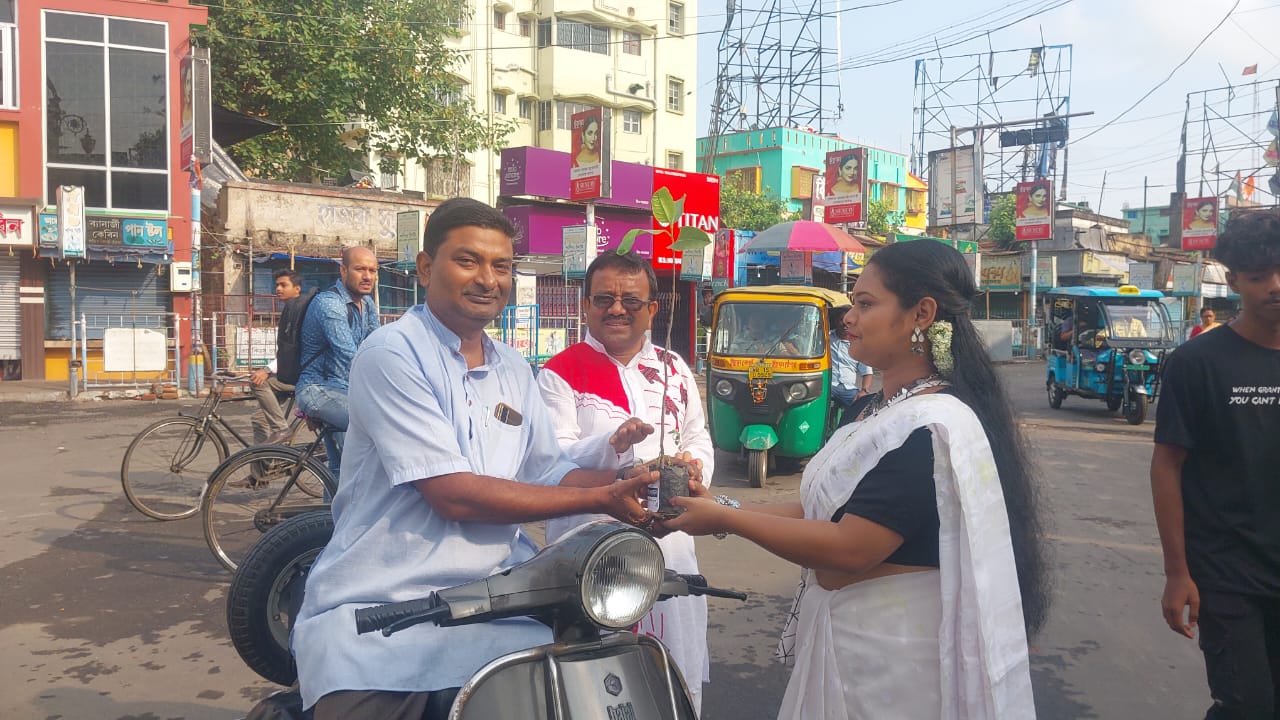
(1215, 480)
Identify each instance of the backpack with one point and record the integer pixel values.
(289, 363)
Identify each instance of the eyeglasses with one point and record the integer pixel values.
(630, 304)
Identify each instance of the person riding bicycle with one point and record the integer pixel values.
(337, 321)
(269, 422)
(449, 448)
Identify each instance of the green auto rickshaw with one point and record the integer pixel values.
(769, 374)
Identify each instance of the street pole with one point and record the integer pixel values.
(1144, 204)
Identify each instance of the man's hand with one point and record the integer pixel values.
(694, 465)
(622, 499)
(259, 377)
(630, 432)
(1180, 592)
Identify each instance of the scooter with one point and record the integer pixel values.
(594, 582)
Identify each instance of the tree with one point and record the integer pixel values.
(745, 210)
(343, 78)
(878, 218)
(1001, 221)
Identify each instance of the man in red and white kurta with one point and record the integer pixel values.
(591, 391)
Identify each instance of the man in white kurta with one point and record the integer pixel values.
(616, 373)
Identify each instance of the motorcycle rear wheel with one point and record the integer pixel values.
(266, 593)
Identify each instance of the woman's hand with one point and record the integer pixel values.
(694, 465)
(702, 515)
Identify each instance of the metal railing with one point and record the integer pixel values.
(136, 350)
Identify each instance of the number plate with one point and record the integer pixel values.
(1137, 367)
(760, 371)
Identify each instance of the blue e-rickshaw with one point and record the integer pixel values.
(1107, 344)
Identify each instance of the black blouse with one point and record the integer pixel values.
(898, 493)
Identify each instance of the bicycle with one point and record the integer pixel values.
(241, 501)
(165, 469)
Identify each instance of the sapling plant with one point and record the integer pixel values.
(667, 211)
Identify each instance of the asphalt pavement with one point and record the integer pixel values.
(108, 614)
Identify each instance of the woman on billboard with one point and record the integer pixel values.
(848, 178)
(589, 144)
(1037, 202)
(1204, 217)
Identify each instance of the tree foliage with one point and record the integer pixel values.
(1001, 221)
(746, 210)
(879, 220)
(343, 78)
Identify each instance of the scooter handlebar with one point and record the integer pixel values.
(383, 617)
(698, 586)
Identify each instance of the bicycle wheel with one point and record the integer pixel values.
(167, 465)
(253, 491)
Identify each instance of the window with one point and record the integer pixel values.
(499, 20)
(675, 94)
(745, 179)
(545, 120)
(566, 110)
(544, 33)
(675, 18)
(581, 36)
(8, 56)
(631, 122)
(675, 160)
(106, 99)
(526, 27)
(630, 43)
(526, 109)
(500, 103)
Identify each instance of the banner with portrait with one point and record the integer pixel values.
(1033, 219)
(589, 159)
(1199, 223)
(845, 182)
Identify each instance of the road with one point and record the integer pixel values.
(107, 614)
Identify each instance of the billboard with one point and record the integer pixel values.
(1199, 223)
(589, 160)
(701, 208)
(1033, 218)
(957, 176)
(844, 184)
(71, 222)
(194, 137)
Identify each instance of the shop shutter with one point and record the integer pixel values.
(120, 295)
(10, 310)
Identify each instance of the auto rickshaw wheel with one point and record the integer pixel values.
(1136, 410)
(1114, 403)
(757, 467)
(1056, 394)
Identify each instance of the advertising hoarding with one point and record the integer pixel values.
(1033, 218)
(957, 178)
(1199, 223)
(589, 160)
(845, 182)
(701, 208)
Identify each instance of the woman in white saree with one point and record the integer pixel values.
(917, 525)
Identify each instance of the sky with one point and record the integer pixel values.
(1121, 50)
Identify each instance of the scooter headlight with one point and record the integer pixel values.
(796, 392)
(620, 580)
(1137, 357)
(724, 388)
(1100, 367)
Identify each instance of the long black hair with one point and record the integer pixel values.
(924, 268)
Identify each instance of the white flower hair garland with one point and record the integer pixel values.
(939, 335)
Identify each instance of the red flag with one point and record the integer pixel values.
(1251, 70)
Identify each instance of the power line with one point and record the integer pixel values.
(1167, 78)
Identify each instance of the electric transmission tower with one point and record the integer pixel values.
(774, 69)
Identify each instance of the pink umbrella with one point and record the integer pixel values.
(806, 236)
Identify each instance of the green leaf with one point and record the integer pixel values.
(691, 238)
(629, 239)
(665, 210)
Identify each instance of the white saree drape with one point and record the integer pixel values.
(948, 644)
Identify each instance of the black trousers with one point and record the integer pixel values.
(1240, 638)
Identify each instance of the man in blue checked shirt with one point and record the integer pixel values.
(337, 321)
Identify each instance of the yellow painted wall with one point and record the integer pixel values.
(9, 159)
(56, 360)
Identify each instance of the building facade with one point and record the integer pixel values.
(90, 96)
(536, 63)
(783, 162)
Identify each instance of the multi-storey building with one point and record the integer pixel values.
(536, 62)
(90, 96)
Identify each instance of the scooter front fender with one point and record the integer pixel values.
(623, 676)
